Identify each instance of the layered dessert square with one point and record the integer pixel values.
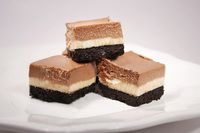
(131, 78)
(60, 79)
(94, 39)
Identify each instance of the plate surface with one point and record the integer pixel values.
(92, 113)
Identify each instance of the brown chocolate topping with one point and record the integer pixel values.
(131, 67)
(61, 69)
(93, 29)
(87, 22)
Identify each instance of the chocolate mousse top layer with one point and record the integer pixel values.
(93, 29)
(131, 67)
(61, 69)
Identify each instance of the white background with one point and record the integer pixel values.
(171, 26)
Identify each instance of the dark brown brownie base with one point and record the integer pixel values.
(96, 53)
(56, 96)
(128, 99)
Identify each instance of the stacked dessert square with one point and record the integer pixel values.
(95, 39)
(131, 78)
(94, 61)
(60, 79)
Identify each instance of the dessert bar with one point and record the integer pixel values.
(131, 78)
(94, 39)
(60, 79)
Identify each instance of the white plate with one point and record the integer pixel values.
(18, 112)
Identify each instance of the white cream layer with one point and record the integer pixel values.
(58, 87)
(94, 43)
(134, 89)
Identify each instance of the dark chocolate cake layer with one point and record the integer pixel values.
(129, 99)
(56, 96)
(96, 53)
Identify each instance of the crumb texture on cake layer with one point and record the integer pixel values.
(129, 99)
(96, 53)
(94, 43)
(60, 87)
(57, 96)
(133, 89)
